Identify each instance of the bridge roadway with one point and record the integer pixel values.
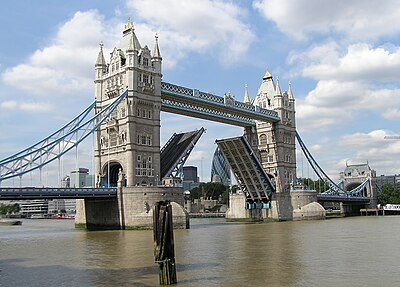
(25, 193)
(346, 198)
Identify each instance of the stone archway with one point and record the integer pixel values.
(114, 169)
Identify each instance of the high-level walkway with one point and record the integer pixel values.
(194, 103)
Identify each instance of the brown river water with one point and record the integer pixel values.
(356, 251)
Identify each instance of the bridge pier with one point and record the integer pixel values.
(132, 209)
(284, 206)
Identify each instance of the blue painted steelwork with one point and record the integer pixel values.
(56, 193)
(56, 145)
(248, 170)
(335, 192)
(191, 102)
(73, 124)
(321, 197)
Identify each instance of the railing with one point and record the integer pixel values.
(217, 102)
(55, 193)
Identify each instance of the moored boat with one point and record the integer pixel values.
(10, 222)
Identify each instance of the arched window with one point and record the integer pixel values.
(263, 139)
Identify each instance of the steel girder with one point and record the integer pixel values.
(191, 102)
(57, 144)
(25, 193)
(176, 151)
(249, 173)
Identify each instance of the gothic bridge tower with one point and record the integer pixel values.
(127, 144)
(130, 139)
(276, 141)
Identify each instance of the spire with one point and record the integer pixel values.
(128, 26)
(267, 75)
(133, 41)
(246, 99)
(290, 93)
(100, 58)
(278, 88)
(156, 51)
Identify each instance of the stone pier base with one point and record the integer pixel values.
(132, 209)
(295, 205)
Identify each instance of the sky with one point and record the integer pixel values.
(341, 57)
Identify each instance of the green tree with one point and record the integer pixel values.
(9, 208)
(389, 194)
(213, 190)
(317, 185)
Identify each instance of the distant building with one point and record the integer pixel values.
(393, 180)
(190, 178)
(190, 173)
(30, 207)
(80, 178)
(220, 169)
(77, 179)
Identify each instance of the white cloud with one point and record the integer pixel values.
(357, 19)
(66, 66)
(206, 26)
(372, 147)
(361, 78)
(26, 107)
(361, 62)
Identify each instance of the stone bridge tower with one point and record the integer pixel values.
(127, 151)
(130, 139)
(276, 141)
(354, 175)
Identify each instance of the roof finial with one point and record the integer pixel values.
(156, 50)
(246, 99)
(278, 88)
(128, 26)
(267, 75)
(290, 92)
(100, 58)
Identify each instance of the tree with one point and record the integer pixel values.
(389, 194)
(212, 190)
(8, 209)
(318, 185)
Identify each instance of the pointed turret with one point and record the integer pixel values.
(156, 55)
(100, 58)
(246, 99)
(290, 93)
(129, 41)
(267, 75)
(278, 88)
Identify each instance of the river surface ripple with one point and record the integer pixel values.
(357, 251)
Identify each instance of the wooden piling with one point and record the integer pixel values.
(164, 250)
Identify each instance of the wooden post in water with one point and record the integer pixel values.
(164, 252)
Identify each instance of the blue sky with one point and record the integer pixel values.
(342, 58)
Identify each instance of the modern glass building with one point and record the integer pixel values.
(220, 169)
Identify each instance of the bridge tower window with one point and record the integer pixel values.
(263, 139)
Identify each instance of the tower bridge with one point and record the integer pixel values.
(129, 96)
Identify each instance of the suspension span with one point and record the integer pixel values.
(58, 143)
